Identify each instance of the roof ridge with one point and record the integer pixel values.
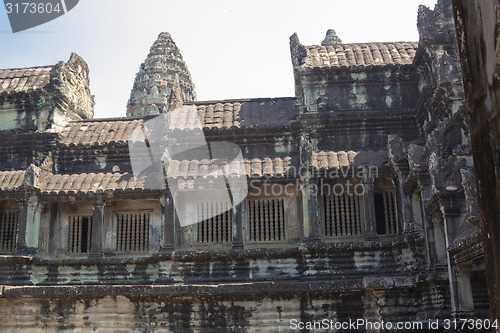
(360, 43)
(30, 67)
(97, 120)
(234, 100)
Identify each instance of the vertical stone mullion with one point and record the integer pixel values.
(169, 224)
(465, 299)
(313, 208)
(369, 208)
(21, 225)
(237, 223)
(97, 229)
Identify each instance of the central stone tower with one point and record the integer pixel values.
(162, 77)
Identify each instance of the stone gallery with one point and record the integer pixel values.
(361, 202)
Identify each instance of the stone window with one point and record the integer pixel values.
(266, 220)
(386, 212)
(80, 231)
(214, 229)
(132, 234)
(8, 230)
(342, 215)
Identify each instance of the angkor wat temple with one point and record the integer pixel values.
(87, 246)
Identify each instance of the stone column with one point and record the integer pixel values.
(464, 288)
(28, 224)
(407, 217)
(169, 224)
(439, 240)
(369, 209)
(416, 207)
(97, 228)
(238, 226)
(313, 209)
(21, 224)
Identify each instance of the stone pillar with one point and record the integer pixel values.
(21, 224)
(407, 217)
(98, 212)
(28, 224)
(439, 240)
(238, 226)
(369, 209)
(464, 288)
(416, 207)
(312, 211)
(169, 224)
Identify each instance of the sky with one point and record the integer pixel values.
(233, 49)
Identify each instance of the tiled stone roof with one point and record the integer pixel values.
(99, 131)
(11, 180)
(24, 79)
(360, 54)
(92, 182)
(256, 167)
(247, 112)
(216, 114)
(271, 166)
(337, 159)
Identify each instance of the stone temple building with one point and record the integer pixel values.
(361, 202)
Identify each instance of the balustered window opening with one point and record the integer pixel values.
(8, 230)
(132, 231)
(342, 215)
(386, 212)
(265, 220)
(79, 234)
(216, 220)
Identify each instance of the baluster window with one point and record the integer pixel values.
(80, 231)
(342, 215)
(216, 222)
(266, 220)
(8, 230)
(132, 234)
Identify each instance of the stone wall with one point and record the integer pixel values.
(478, 33)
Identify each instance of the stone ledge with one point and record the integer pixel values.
(206, 290)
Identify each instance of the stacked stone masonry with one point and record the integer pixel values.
(86, 245)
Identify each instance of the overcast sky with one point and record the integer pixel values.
(233, 49)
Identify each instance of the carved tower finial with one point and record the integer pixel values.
(154, 82)
(331, 38)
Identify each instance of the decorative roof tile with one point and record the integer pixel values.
(99, 131)
(256, 167)
(11, 180)
(213, 115)
(24, 79)
(360, 54)
(338, 159)
(92, 183)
